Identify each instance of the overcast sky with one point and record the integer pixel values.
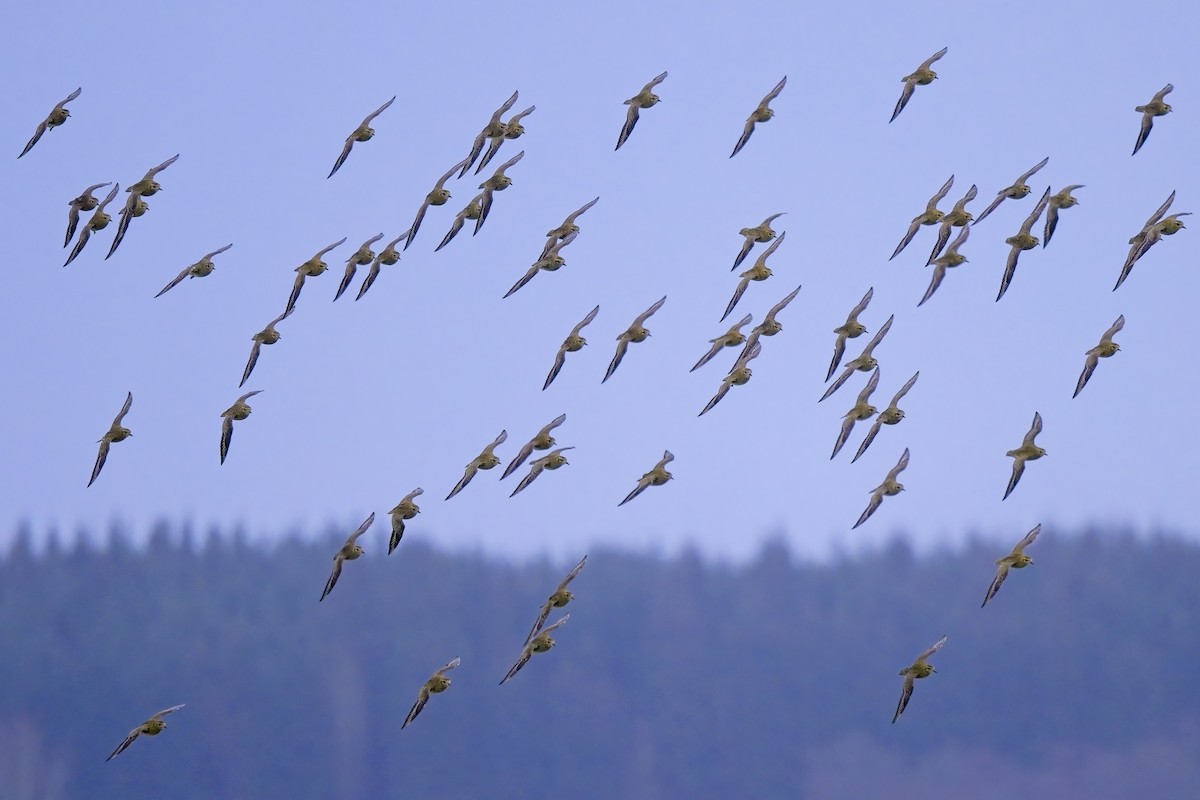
(363, 401)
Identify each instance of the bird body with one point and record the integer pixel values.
(1014, 560)
(541, 643)
(850, 329)
(542, 440)
(406, 509)
(730, 338)
(637, 332)
(1023, 240)
(889, 416)
(918, 669)
(1028, 451)
(552, 460)
(861, 410)
(361, 257)
(1058, 201)
(98, 221)
(267, 336)
(347, 552)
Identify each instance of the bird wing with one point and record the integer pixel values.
(1027, 540)
(1010, 269)
(524, 453)
(1018, 469)
(905, 693)
(933, 649)
(782, 304)
(416, 225)
(485, 208)
(547, 607)
(905, 95)
(324, 251)
(939, 273)
(1089, 366)
(1026, 175)
(574, 215)
(422, 699)
(645, 315)
(1028, 224)
(717, 347)
(226, 436)
(361, 529)
(655, 82)
(155, 170)
(872, 385)
(901, 465)
(929, 61)
(560, 358)
(904, 389)
(943, 236)
(1158, 96)
(667, 458)
(174, 281)
(643, 482)
(341, 159)
(1051, 224)
(746, 131)
(722, 390)
(940, 195)
(872, 504)
(295, 293)
(1116, 326)
(37, 134)
(123, 223)
(133, 734)
(908, 237)
(166, 711)
(878, 337)
(737, 294)
(128, 404)
(841, 379)
(591, 315)
(397, 533)
(333, 576)
(367, 120)
(1001, 574)
(535, 469)
(524, 279)
(72, 223)
(622, 347)
(870, 437)
(526, 653)
(472, 468)
(631, 118)
(844, 434)
(101, 457)
(1034, 430)
(771, 95)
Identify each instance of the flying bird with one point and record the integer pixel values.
(956, 217)
(949, 259)
(361, 257)
(485, 460)
(922, 76)
(740, 374)
(769, 326)
(134, 205)
(497, 183)
(643, 99)
(1015, 559)
(861, 410)
(567, 227)
(238, 411)
(406, 509)
(889, 488)
(759, 272)
(311, 268)
(918, 669)
(388, 255)
(151, 727)
(57, 116)
(1155, 108)
(851, 329)
(548, 263)
(865, 362)
(557, 599)
(436, 684)
(84, 202)
(1018, 190)
(98, 221)
(889, 416)
(1024, 240)
(1105, 349)
(637, 332)
(552, 460)
(1169, 226)
(362, 133)
(1028, 451)
(542, 440)
(655, 477)
(1058, 201)
(491, 130)
(730, 338)
(471, 211)
(347, 552)
(762, 113)
(267, 336)
(513, 129)
(761, 233)
(930, 216)
(1136, 241)
(538, 644)
(573, 343)
(200, 269)
(437, 196)
(116, 433)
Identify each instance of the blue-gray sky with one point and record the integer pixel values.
(364, 401)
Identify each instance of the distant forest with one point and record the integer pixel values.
(674, 678)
